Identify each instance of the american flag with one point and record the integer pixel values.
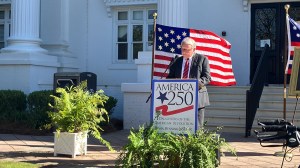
(293, 31)
(168, 44)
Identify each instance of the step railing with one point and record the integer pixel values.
(254, 94)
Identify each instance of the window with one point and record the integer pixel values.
(4, 24)
(134, 30)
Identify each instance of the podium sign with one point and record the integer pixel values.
(174, 105)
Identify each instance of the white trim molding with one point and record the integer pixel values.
(245, 5)
(3, 2)
(112, 3)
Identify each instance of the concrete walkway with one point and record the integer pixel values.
(39, 149)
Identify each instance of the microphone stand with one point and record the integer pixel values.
(171, 63)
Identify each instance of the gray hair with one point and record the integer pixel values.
(189, 41)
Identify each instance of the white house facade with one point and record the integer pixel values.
(113, 39)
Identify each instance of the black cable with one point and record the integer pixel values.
(283, 157)
(290, 151)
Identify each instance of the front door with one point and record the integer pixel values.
(268, 25)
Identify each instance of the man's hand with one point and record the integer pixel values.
(200, 85)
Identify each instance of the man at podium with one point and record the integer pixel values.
(192, 65)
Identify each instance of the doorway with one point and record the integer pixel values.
(268, 25)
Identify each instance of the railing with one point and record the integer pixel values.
(253, 95)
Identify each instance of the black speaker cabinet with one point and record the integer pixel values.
(63, 79)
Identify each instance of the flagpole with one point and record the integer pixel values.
(287, 6)
(153, 44)
(153, 47)
(282, 152)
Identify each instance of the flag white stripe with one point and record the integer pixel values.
(171, 55)
(204, 36)
(215, 46)
(222, 80)
(212, 54)
(160, 70)
(227, 66)
(221, 73)
(159, 61)
(289, 43)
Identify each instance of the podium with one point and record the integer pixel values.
(174, 105)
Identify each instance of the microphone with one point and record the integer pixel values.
(170, 64)
(163, 74)
(177, 56)
(174, 59)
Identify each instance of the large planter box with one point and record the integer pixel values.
(70, 143)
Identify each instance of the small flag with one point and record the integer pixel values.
(215, 48)
(293, 31)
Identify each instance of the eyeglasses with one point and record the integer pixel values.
(186, 49)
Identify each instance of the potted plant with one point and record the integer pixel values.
(77, 113)
(149, 148)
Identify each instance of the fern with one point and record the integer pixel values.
(78, 110)
(148, 148)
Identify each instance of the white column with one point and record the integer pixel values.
(56, 38)
(173, 13)
(23, 63)
(25, 22)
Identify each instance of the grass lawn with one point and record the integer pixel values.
(12, 164)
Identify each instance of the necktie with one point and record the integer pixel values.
(186, 69)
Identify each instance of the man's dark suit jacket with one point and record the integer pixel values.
(200, 70)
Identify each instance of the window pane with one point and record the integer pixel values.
(122, 15)
(1, 44)
(122, 34)
(2, 15)
(122, 51)
(136, 48)
(150, 34)
(294, 13)
(137, 15)
(1, 32)
(137, 33)
(265, 27)
(150, 14)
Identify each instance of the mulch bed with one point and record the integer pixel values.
(19, 128)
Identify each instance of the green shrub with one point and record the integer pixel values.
(149, 148)
(110, 104)
(38, 108)
(12, 105)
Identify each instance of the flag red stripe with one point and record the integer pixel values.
(162, 57)
(220, 68)
(222, 84)
(221, 76)
(157, 65)
(293, 43)
(208, 41)
(210, 58)
(204, 32)
(159, 74)
(213, 50)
